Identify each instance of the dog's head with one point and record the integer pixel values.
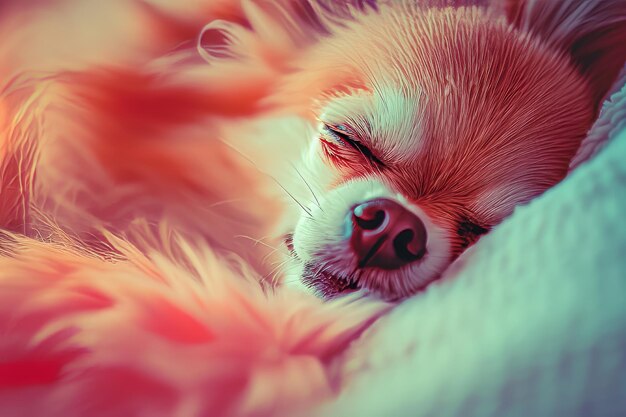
(433, 124)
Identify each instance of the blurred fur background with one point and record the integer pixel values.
(140, 249)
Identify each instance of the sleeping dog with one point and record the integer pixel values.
(434, 121)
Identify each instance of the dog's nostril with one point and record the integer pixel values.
(385, 234)
(407, 246)
(368, 219)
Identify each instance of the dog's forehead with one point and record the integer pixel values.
(392, 121)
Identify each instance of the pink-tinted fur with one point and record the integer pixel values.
(139, 253)
(469, 111)
(136, 236)
(502, 107)
(150, 335)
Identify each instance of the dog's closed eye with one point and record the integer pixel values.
(341, 135)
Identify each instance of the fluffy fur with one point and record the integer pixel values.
(139, 249)
(134, 236)
(168, 330)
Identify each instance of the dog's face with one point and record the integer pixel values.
(432, 126)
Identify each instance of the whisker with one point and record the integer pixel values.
(264, 259)
(306, 210)
(257, 241)
(272, 177)
(273, 248)
(223, 202)
(269, 277)
(272, 276)
(308, 186)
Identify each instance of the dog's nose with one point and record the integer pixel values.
(386, 235)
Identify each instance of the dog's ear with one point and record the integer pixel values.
(593, 32)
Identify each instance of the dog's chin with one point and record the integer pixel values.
(327, 284)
